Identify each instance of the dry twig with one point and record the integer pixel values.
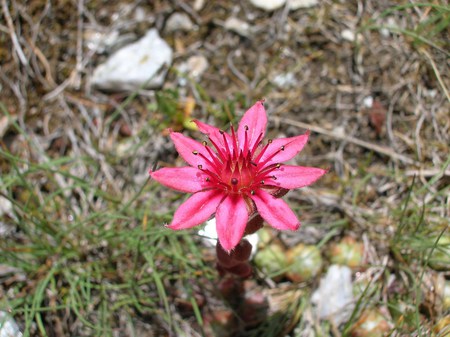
(377, 148)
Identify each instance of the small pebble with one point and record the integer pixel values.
(268, 5)
(197, 65)
(297, 4)
(334, 297)
(179, 22)
(237, 26)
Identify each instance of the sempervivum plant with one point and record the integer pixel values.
(233, 175)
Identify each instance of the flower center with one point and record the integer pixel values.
(236, 168)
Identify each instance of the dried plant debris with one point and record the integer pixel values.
(83, 249)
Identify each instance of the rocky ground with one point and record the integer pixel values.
(80, 129)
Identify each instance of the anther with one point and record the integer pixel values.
(245, 127)
(282, 148)
(195, 152)
(274, 178)
(278, 166)
(205, 143)
(262, 182)
(221, 132)
(252, 192)
(234, 181)
(270, 141)
(200, 167)
(207, 179)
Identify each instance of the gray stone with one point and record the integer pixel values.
(297, 4)
(238, 26)
(271, 5)
(268, 5)
(284, 80)
(138, 65)
(334, 297)
(8, 326)
(197, 65)
(179, 21)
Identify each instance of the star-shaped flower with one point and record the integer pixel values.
(233, 175)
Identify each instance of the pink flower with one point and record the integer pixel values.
(233, 175)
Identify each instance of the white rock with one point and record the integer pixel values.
(140, 14)
(8, 327)
(124, 148)
(138, 64)
(297, 4)
(368, 102)
(334, 297)
(179, 21)
(198, 5)
(348, 35)
(268, 5)
(197, 65)
(388, 27)
(284, 80)
(238, 26)
(209, 235)
(6, 207)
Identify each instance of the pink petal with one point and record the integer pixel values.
(195, 210)
(185, 179)
(275, 211)
(214, 134)
(292, 145)
(231, 219)
(288, 176)
(256, 120)
(186, 147)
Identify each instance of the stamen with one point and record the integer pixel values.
(214, 157)
(215, 179)
(235, 142)
(226, 145)
(195, 152)
(265, 172)
(246, 150)
(252, 192)
(208, 160)
(263, 150)
(200, 167)
(219, 151)
(205, 143)
(262, 182)
(282, 147)
(256, 144)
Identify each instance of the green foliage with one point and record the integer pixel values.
(87, 250)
